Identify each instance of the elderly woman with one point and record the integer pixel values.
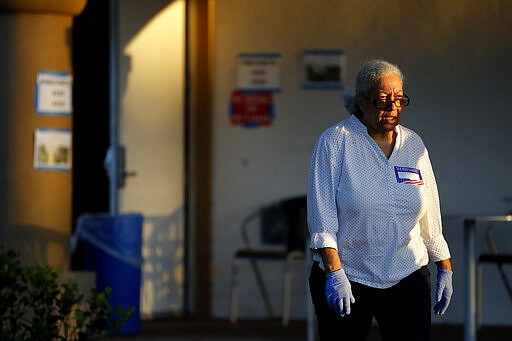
(374, 219)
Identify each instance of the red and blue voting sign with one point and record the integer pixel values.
(251, 109)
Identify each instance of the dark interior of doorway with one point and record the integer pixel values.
(91, 131)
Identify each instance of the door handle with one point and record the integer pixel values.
(120, 166)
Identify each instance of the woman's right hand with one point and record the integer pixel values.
(338, 292)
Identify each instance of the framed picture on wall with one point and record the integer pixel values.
(323, 69)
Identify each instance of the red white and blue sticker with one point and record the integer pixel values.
(408, 175)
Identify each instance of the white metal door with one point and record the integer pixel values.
(151, 129)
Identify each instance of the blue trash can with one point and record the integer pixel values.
(112, 249)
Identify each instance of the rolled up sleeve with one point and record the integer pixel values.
(324, 175)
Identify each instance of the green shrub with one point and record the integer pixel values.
(35, 305)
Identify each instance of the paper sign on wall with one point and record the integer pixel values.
(53, 93)
(251, 109)
(258, 72)
(323, 69)
(52, 149)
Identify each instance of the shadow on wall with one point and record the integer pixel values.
(163, 273)
(37, 244)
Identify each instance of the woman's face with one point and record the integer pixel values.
(380, 113)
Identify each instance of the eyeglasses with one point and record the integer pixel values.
(387, 103)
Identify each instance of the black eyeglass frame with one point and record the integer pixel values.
(402, 102)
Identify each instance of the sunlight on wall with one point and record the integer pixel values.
(152, 130)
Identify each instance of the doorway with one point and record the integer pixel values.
(151, 129)
(151, 64)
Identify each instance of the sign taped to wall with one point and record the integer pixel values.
(53, 93)
(52, 149)
(323, 69)
(251, 109)
(258, 72)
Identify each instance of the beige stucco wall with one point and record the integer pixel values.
(456, 57)
(35, 205)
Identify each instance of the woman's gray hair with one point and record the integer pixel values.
(367, 77)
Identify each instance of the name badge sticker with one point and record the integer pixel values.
(408, 175)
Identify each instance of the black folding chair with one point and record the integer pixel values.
(282, 230)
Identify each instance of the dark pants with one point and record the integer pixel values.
(402, 311)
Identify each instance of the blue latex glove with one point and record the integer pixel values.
(444, 291)
(338, 292)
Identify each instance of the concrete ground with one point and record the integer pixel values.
(191, 329)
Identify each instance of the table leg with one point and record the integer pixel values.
(470, 280)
